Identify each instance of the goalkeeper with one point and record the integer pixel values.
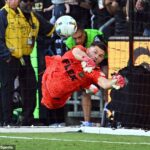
(76, 69)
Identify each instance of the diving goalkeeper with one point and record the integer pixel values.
(76, 69)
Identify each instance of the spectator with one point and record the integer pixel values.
(2, 3)
(78, 9)
(100, 15)
(121, 13)
(141, 18)
(39, 6)
(86, 37)
(59, 8)
(75, 70)
(117, 9)
(17, 39)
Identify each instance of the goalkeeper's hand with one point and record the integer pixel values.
(88, 64)
(92, 89)
(118, 81)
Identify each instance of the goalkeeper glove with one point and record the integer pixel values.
(92, 89)
(118, 81)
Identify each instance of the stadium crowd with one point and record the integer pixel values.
(99, 18)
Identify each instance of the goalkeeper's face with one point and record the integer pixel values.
(96, 53)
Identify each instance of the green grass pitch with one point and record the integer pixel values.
(73, 141)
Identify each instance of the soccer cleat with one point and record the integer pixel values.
(86, 124)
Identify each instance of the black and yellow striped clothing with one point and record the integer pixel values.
(16, 31)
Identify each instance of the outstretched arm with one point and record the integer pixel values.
(79, 54)
(88, 64)
(116, 82)
(106, 83)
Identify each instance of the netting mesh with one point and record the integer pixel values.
(129, 106)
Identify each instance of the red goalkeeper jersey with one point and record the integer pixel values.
(63, 76)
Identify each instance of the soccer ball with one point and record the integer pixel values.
(65, 26)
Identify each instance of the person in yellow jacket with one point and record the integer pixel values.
(19, 28)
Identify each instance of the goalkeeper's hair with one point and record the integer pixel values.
(101, 45)
(79, 27)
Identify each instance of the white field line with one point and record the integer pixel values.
(69, 140)
(96, 130)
